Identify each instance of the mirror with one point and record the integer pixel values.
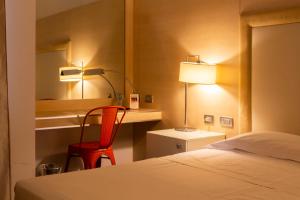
(80, 33)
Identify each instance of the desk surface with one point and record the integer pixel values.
(72, 119)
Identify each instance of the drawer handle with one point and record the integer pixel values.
(179, 146)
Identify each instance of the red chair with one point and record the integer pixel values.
(93, 152)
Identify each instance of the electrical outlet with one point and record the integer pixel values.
(208, 119)
(226, 122)
(149, 98)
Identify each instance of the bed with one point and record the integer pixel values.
(252, 166)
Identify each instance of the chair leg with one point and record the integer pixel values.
(111, 156)
(90, 161)
(86, 163)
(93, 165)
(67, 163)
(112, 159)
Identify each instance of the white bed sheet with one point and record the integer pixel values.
(202, 175)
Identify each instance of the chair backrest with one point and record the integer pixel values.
(109, 121)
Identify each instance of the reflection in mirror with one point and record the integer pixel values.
(48, 86)
(79, 33)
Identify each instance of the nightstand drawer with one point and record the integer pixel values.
(167, 142)
(158, 146)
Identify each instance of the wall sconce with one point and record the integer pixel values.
(75, 74)
(70, 74)
(195, 72)
(92, 72)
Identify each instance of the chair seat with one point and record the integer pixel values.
(85, 147)
(90, 153)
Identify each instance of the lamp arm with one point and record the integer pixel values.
(112, 87)
(126, 79)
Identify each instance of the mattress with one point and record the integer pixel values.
(206, 174)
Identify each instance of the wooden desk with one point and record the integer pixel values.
(71, 119)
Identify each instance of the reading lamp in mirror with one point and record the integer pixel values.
(68, 33)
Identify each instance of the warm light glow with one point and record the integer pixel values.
(70, 80)
(202, 73)
(70, 74)
(92, 72)
(209, 90)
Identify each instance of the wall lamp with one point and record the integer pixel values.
(76, 74)
(70, 74)
(195, 71)
(100, 72)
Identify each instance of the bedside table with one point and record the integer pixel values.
(167, 142)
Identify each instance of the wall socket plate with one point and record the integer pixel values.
(226, 122)
(208, 119)
(149, 98)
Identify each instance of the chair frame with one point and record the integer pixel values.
(97, 155)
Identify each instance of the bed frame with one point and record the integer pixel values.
(248, 22)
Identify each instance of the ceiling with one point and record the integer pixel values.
(45, 8)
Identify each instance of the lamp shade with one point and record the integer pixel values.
(202, 73)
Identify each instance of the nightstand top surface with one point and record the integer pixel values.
(186, 135)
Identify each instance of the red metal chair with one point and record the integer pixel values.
(93, 152)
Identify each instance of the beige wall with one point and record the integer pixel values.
(20, 20)
(168, 30)
(264, 5)
(97, 38)
(47, 84)
(165, 33)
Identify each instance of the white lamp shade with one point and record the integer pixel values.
(201, 73)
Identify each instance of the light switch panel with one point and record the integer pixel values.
(226, 122)
(208, 119)
(149, 98)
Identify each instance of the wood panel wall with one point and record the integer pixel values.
(4, 132)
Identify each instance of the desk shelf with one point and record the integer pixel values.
(72, 119)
